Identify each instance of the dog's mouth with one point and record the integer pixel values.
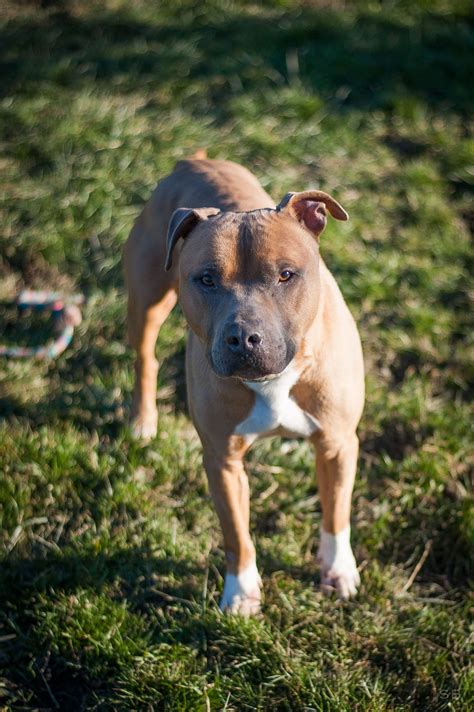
(258, 379)
(245, 374)
(250, 370)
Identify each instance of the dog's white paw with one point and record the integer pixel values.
(241, 593)
(144, 428)
(338, 566)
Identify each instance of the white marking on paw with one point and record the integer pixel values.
(242, 592)
(338, 566)
(275, 408)
(144, 429)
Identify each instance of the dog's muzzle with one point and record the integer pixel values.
(244, 350)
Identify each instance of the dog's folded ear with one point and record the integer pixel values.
(181, 223)
(310, 208)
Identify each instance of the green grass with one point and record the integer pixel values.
(112, 559)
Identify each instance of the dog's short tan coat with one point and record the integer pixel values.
(318, 394)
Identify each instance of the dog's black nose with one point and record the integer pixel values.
(242, 339)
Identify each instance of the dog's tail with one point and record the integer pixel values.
(199, 155)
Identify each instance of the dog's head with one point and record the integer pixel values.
(249, 282)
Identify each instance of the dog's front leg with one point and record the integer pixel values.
(336, 469)
(228, 483)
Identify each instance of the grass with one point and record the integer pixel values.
(112, 561)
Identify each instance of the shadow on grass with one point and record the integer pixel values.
(374, 59)
(145, 581)
(140, 576)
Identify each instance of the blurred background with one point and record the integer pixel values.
(111, 552)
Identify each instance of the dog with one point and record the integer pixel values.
(272, 346)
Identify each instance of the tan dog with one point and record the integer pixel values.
(272, 349)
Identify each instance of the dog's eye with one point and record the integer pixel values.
(285, 275)
(207, 280)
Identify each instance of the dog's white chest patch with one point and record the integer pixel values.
(275, 408)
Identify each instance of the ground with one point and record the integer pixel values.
(112, 558)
